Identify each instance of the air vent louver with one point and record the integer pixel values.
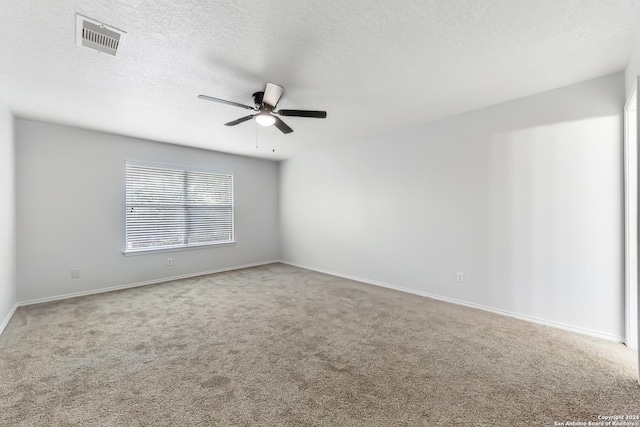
(96, 35)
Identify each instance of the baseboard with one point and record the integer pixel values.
(138, 284)
(558, 325)
(6, 320)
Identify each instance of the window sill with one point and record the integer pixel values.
(187, 248)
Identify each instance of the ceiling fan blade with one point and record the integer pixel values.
(237, 122)
(303, 113)
(282, 125)
(235, 104)
(272, 94)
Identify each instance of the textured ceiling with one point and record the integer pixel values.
(374, 65)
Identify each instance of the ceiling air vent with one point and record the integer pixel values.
(96, 35)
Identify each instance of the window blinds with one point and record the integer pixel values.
(174, 208)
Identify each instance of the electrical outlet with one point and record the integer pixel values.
(75, 273)
(460, 277)
(169, 261)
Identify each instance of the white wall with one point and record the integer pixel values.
(71, 204)
(7, 217)
(523, 197)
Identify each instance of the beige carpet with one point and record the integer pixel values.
(283, 346)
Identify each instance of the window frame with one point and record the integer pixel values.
(182, 168)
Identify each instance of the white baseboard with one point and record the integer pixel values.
(558, 325)
(532, 319)
(8, 317)
(135, 285)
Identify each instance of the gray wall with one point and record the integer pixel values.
(7, 216)
(523, 197)
(70, 211)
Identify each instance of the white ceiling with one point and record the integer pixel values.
(374, 65)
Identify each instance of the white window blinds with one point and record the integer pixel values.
(173, 208)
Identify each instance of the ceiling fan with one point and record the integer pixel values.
(264, 106)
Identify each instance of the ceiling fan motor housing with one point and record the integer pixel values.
(257, 99)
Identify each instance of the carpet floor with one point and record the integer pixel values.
(283, 346)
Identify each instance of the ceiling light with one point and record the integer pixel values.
(264, 119)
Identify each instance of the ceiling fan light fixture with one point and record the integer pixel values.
(264, 119)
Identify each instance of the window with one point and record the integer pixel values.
(169, 207)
